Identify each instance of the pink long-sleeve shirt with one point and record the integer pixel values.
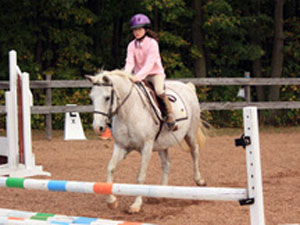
(143, 58)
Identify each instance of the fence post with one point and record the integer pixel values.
(48, 116)
(247, 88)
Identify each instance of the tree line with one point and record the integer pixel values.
(198, 38)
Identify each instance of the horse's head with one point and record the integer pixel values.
(108, 91)
(104, 100)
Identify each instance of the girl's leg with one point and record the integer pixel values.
(158, 83)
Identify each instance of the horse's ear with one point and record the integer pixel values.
(90, 78)
(106, 80)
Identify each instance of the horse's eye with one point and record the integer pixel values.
(107, 99)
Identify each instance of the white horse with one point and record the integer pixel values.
(118, 100)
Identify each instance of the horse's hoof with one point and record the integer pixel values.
(113, 205)
(133, 210)
(201, 182)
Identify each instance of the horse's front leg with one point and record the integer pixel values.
(146, 156)
(118, 155)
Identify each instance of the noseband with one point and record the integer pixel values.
(110, 112)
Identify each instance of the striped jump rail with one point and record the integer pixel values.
(16, 217)
(155, 191)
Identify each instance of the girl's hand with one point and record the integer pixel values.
(134, 79)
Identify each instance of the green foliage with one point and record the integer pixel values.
(73, 37)
(228, 118)
(291, 69)
(173, 42)
(49, 36)
(292, 48)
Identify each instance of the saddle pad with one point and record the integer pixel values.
(178, 106)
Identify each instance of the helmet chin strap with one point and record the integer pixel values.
(141, 38)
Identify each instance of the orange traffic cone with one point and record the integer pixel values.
(106, 135)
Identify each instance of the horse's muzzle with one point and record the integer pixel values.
(99, 130)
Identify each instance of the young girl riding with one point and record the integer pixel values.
(143, 59)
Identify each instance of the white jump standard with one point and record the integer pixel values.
(17, 145)
(252, 146)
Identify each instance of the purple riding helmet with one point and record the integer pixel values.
(140, 20)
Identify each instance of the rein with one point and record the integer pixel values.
(110, 112)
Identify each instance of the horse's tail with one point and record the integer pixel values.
(201, 131)
(201, 134)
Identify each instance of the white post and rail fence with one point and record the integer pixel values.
(48, 109)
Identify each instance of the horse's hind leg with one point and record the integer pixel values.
(118, 155)
(165, 163)
(192, 143)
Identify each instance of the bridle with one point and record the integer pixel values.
(110, 112)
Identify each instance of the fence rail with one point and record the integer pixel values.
(204, 106)
(48, 109)
(247, 82)
(242, 81)
(43, 84)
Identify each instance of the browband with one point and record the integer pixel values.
(102, 84)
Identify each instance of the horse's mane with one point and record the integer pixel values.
(117, 72)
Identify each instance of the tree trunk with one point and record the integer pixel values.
(256, 41)
(277, 54)
(97, 8)
(256, 68)
(116, 40)
(156, 19)
(260, 90)
(197, 35)
(39, 44)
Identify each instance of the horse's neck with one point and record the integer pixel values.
(135, 103)
(122, 87)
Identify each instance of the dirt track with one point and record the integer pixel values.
(222, 165)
